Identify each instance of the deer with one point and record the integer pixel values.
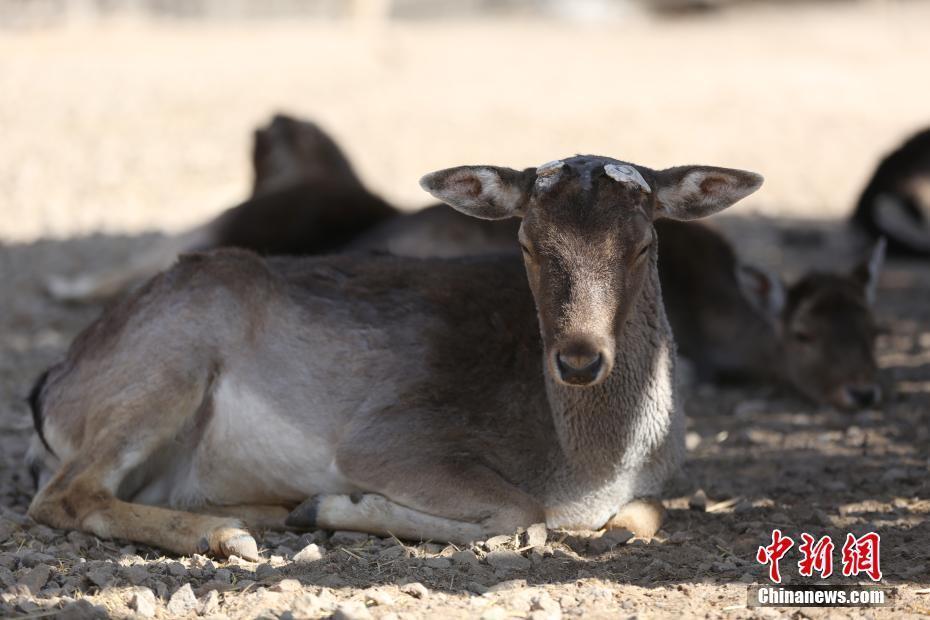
(895, 203)
(306, 199)
(440, 399)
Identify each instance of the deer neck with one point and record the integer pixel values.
(617, 424)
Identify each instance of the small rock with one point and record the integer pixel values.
(176, 569)
(82, 610)
(698, 501)
(477, 588)
(535, 535)
(183, 601)
(439, 563)
(101, 576)
(287, 585)
(351, 610)
(544, 603)
(223, 575)
(510, 584)
(743, 505)
(265, 571)
(379, 598)
(679, 537)
(36, 578)
(135, 574)
(143, 602)
(505, 560)
(309, 554)
(494, 613)
(415, 589)
(466, 556)
(692, 441)
(210, 603)
(498, 542)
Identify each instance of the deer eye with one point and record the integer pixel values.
(802, 336)
(525, 250)
(643, 250)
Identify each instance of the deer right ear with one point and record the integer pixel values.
(763, 290)
(485, 192)
(691, 192)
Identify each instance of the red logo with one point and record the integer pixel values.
(773, 553)
(817, 556)
(860, 555)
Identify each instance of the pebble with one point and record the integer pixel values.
(506, 560)
(210, 603)
(415, 589)
(176, 569)
(223, 575)
(498, 542)
(535, 535)
(101, 576)
(692, 441)
(310, 553)
(36, 578)
(378, 597)
(351, 610)
(466, 556)
(287, 585)
(265, 571)
(183, 601)
(698, 501)
(143, 602)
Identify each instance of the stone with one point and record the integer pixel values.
(176, 569)
(347, 538)
(507, 560)
(535, 535)
(223, 575)
(101, 575)
(265, 571)
(135, 574)
(351, 610)
(82, 610)
(698, 501)
(415, 589)
(378, 598)
(183, 601)
(466, 556)
(36, 578)
(287, 585)
(498, 542)
(309, 554)
(143, 602)
(510, 584)
(210, 603)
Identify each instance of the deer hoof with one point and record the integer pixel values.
(304, 516)
(234, 541)
(643, 517)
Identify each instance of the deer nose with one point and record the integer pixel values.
(579, 365)
(864, 395)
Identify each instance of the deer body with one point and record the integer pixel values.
(444, 400)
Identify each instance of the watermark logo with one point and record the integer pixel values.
(860, 556)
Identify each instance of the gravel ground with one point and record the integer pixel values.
(138, 127)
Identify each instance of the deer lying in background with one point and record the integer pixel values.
(306, 200)
(441, 400)
(731, 320)
(896, 201)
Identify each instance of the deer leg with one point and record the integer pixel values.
(421, 499)
(76, 498)
(257, 517)
(642, 516)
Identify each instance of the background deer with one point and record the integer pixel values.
(896, 201)
(443, 400)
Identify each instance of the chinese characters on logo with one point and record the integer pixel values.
(859, 555)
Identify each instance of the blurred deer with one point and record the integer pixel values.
(895, 203)
(429, 399)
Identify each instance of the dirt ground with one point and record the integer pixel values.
(130, 128)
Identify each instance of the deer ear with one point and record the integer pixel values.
(691, 192)
(763, 290)
(485, 192)
(868, 271)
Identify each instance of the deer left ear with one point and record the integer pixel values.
(485, 192)
(868, 271)
(764, 290)
(692, 192)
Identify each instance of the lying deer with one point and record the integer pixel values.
(442, 400)
(306, 200)
(896, 201)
